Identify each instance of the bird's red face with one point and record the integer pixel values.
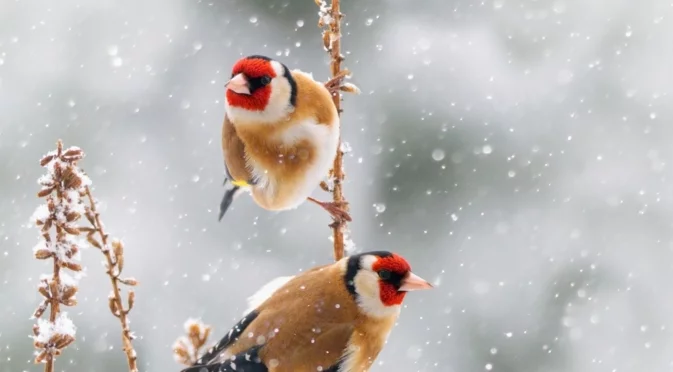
(250, 84)
(396, 279)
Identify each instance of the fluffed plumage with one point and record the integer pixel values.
(332, 318)
(279, 137)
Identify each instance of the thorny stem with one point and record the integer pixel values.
(114, 280)
(334, 50)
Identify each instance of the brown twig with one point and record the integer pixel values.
(114, 256)
(330, 21)
(62, 186)
(187, 349)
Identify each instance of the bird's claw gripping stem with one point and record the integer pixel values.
(335, 209)
(335, 84)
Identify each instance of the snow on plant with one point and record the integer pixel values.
(65, 188)
(62, 188)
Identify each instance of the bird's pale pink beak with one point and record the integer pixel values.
(238, 84)
(414, 282)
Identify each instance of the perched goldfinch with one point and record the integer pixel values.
(332, 318)
(279, 137)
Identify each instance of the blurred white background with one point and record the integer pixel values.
(515, 151)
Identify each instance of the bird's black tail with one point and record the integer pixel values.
(245, 361)
(227, 199)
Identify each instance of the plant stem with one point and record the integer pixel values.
(337, 169)
(54, 309)
(126, 332)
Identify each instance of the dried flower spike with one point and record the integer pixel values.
(62, 186)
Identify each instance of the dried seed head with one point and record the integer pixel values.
(117, 247)
(60, 341)
(120, 264)
(46, 159)
(39, 311)
(93, 240)
(44, 292)
(71, 230)
(118, 254)
(131, 300)
(70, 179)
(43, 254)
(326, 39)
(72, 216)
(350, 88)
(47, 225)
(68, 292)
(73, 154)
(70, 265)
(114, 308)
(129, 281)
(44, 192)
(194, 330)
(181, 353)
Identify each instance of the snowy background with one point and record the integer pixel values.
(516, 152)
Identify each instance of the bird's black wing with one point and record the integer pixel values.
(334, 368)
(225, 342)
(245, 361)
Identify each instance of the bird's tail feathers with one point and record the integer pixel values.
(203, 368)
(246, 361)
(227, 199)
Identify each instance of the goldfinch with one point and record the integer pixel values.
(279, 137)
(332, 318)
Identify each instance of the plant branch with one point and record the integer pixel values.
(330, 21)
(114, 264)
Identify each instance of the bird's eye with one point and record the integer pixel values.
(384, 274)
(266, 79)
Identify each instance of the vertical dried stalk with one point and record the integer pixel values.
(62, 187)
(114, 256)
(330, 21)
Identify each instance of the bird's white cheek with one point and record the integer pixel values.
(367, 284)
(279, 100)
(369, 299)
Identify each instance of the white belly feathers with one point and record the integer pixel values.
(326, 139)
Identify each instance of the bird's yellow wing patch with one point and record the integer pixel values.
(240, 183)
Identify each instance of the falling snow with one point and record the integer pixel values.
(516, 153)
